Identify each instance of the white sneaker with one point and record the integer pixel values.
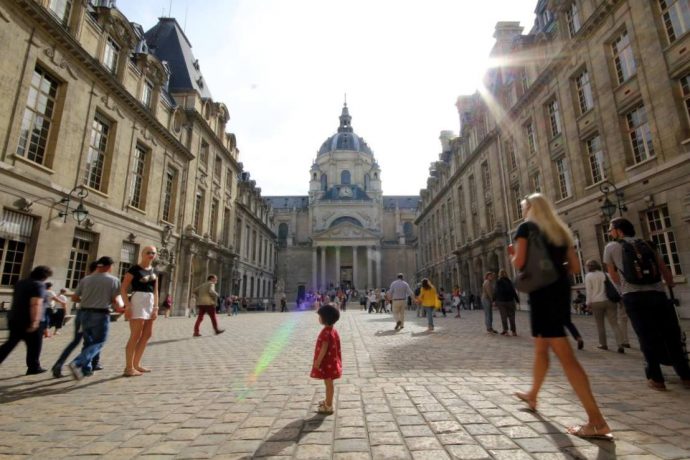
(76, 371)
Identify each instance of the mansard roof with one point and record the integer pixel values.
(402, 202)
(288, 202)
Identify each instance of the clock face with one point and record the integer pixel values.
(346, 192)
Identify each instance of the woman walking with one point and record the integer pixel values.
(550, 310)
(505, 297)
(141, 309)
(600, 305)
(429, 301)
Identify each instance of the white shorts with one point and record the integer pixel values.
(142, 305)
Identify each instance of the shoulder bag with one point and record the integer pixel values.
(539, 270)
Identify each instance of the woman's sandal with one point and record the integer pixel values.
(531, 403)
(131, 373)
(588, 431)
(324, 410)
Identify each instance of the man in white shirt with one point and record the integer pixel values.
(398, 293)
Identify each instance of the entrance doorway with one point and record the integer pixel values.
(346, 277)
(301, 294)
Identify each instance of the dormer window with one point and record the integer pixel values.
(61, 10)
(111, 55)
(147, 94)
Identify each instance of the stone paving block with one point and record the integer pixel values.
(510, 454)
(534, 445)
(239, 446)
(459, 437)
(350, 432)
(350, 445)
(385, 438)
(351, 456)
(667, 451)
(484, 428)
(430, 455)
(250, 433)
(389, 452)
(415, 430)
(382, 426)
(97, 448)
(423, 443)
(166, 448)
(275, 449)
(313, 452)
(197, 452)
(468, 452)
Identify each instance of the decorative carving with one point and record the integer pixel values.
(131, 237)
(59, 61)
(110, 105)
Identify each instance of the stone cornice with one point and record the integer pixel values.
(255, 219)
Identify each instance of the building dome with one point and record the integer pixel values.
(345, 138)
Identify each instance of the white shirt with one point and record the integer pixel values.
(594, 286)
(399, 290)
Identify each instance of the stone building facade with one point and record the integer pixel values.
(345, 232)
(99, 115)
(592, 108)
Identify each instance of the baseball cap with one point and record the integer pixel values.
(105, 261)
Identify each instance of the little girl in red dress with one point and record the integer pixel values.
(328, 363)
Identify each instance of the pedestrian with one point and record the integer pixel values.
(328, 361)
(24, 318)
(167, 305)
(488, 302)
(76, 340)
(428, 299)
(372, 301)
(550, 308)
(599, 304)
(636, 266)
(47, 315)
(207, 296)
(399, 292)
(455, 300)
(471, 302)
(506, 298)
(141, 309)
(95, 293)
(59, 310)
(283, 303)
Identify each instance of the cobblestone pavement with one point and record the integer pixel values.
(247, 394)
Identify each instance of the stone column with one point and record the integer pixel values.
(354, 267)
(337, 266)
(323, 267)
(370, 283)
(377, 255)
(314, 267)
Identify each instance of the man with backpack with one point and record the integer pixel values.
(637, 268)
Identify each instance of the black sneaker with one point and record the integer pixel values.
(36, 371)
(220, 331)
(57, 372)
(397, 325)
(97, 367)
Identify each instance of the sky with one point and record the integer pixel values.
(283, 68)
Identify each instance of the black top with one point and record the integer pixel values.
(558, 254)
(504, 291)
(142, 280)
(24, 291)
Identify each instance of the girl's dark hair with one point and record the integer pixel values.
(426, 284)
(329, 314)
(41, 273)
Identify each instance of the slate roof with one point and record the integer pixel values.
(403, 202)
(167, 42)
(288, 202)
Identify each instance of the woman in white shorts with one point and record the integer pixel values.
(141, 309)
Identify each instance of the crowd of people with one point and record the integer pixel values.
(635, 280)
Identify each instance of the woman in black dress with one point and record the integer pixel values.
(550, 311)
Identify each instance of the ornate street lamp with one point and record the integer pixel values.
(608, 208)
(80, 213)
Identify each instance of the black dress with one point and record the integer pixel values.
(550, 305)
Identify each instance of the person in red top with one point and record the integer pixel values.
(328, 363)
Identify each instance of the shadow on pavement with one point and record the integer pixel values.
(162, 342)
(607, 449)
(45, 389)
(291, 433)
(388, 332)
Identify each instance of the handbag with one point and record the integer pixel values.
(539, 270)
(611, 292)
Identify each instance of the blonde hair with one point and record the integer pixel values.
(540, 211)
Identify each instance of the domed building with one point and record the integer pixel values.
(345, 233)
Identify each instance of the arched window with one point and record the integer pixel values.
(314, 176)
(282, 233)
(366, 182)
(324, 182)
(376, 175)
(344, 219)
(345, 177)
(408, 230)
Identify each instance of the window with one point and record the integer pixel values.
(572, 17)
(535, 182)
(676, 15)
(490, 217)
(584, 92)
(510, 155)
(213, 219)
(623, 57)
(345, 177)
(203, 154)
(282, 234)
(16, 230)
(486, 179)
(640, 134)
(238, 235)
(565, 187)
(169, 195)
(473, 194)
(38, 117)
(685, 88)
(217, 168)
(147, 94)
(579, 278)
(198, 210)
(82, 244)
(248, 241)
(138, 185)
(254, 236)
(128, 257)
(111, 55)
(228, 180)
(554, 118)
(225, 237)
(324, 182)
(408, 230)
(96, 158)
(517, 201)
(595, 156)
(531, 139)
(61, 9)
(659, 227)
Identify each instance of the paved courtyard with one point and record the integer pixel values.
(247, 394)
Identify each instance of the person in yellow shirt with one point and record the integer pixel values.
(428, 299)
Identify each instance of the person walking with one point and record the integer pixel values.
(488, 302)
(167, 305)
(456, 300)
(47, 316)
(506, 298)
(429, 301)
(141, 309)
(599, 304)
(283, 303)
(636, 266)
(550, 309)
(444, 297)
(96, 293)
(24, 318)
(59, 311)
(399, 290)
(206, 298)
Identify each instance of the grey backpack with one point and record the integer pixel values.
(539, 270)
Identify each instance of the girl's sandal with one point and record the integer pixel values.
(325, 410)
(588, 431)
(142, 369)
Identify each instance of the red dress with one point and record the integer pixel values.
(332, 363)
